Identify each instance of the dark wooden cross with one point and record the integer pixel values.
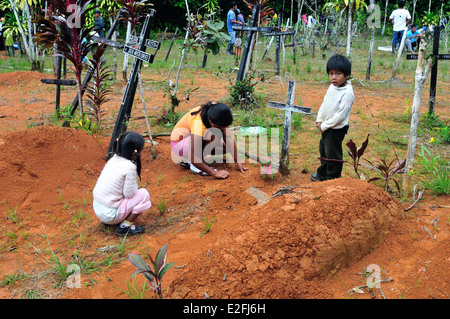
(436, 56)
(139, 55)
(278, 33)
(59, 82)
(288, 107)
(248, 48)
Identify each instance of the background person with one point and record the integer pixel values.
(400, 18)
(231, 20)
(413, 39)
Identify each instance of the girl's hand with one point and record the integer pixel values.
(241, 167)
(222, 174)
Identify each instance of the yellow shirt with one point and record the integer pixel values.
(187, 125)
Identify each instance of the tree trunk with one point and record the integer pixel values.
(385, 15)
(422, 71)
(399, 53)
(349, 28)
(372, 39)
(22, 33)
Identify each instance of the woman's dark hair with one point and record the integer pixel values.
(401, 3)
(219, 114)
(130, 143)
(340, 63)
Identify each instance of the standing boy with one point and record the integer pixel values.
(231, 20)
(332, 118)
(401, 18)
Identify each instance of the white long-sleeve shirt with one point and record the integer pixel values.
(118, 180)
(335, 109)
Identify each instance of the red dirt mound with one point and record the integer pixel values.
(40, 161)
(275, 249)
(282, 249)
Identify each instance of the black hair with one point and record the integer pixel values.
(340, 63)
(401, 3)
(232, 4)
(129, 144)
(219, 114)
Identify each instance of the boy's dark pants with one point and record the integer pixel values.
(330, 147)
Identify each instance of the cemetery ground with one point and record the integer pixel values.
(313, 242)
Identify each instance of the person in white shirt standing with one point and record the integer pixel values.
(332, 118)
(400, 18)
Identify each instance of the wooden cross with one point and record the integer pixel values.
(278, 33)
(436, 56)
(248, 48)
(59, 82)
(89, 73)
(288, 107)
(128, 97)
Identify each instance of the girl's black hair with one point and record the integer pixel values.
(130, 143)
(340, 63)
(219, 113)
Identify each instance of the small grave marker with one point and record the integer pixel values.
(288, 107)
(59, 82)
(278, 33)
(248, 48)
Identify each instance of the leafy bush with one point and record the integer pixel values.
(242, 93)
(433, 172)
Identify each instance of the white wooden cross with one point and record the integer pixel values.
(288, 107)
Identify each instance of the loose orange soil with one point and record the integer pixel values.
(311, 243)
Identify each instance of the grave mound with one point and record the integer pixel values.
(279, 249)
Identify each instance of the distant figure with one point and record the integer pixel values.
(311, 21)
(240, 16)
(2, 42)
(305, 19)
(413, 39)
(99, 24)
(400, 18)
(231, 20)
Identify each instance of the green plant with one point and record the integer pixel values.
(242, 93)
(434, 172)
(206, 32)
(356, 153)
(133, 292)
(98, 90)
(208, 225)
(67, 31)
(162, 205)
(387, 171)
(155, 275)
(167, 118)
(430, 18)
